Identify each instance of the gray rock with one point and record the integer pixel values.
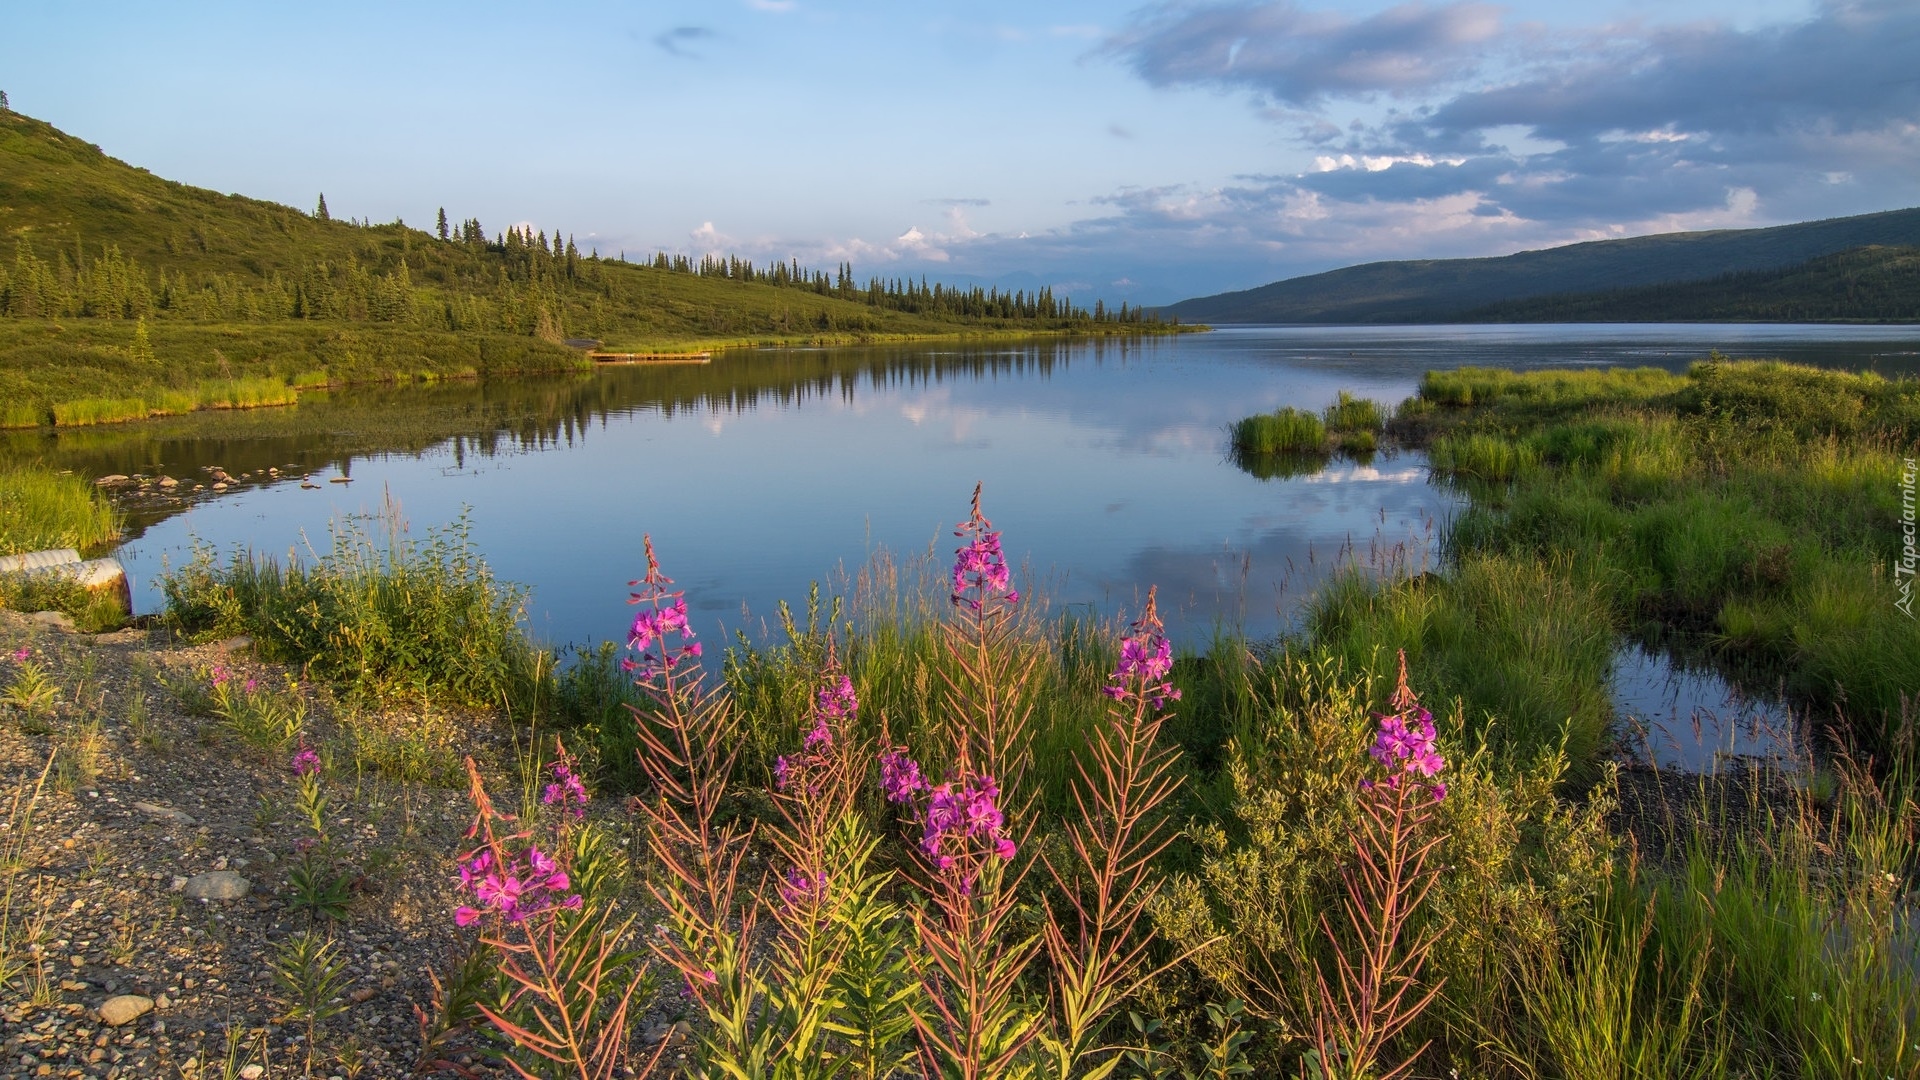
(168, 481)
(217, 885)
(124, 1009)
(55, 619)
(164, 813)
(111, 479)
(234, 644)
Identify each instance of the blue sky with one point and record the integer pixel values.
(1150, 153)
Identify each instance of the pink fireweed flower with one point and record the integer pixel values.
(782, 772)
(979, 565)
(797, 886)
(250, 686)
(515, 890)
(835, 701)
(959, 811)
(566, 791)
(219, 675)
(305, 761)
(1405, 743)
(1146, 659)
(819, 737)
(21, 654)
(900, 777)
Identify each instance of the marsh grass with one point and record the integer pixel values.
(1752, 505)
(19, 414)
(41, 509)
(1527, 645)
(247, 393)
(388, 618)
(85, 412)
(1286, 430)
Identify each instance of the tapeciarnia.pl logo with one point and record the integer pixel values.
(1903, 567)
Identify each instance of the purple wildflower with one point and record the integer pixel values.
(305, 761)
(782, 772)
(1405, 743)
(835, 702)
(1146, 658)
(250, 686)
(566, 791)
(961, 811)
(797, 886)
(979, 565)
(21, 654)
(900, 776)
(219, 675)
(515, 890)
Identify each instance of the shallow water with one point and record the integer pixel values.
(1694, 720)
(1104, 463)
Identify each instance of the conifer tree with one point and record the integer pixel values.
(320, 211)
(4, 107)
(441, 227)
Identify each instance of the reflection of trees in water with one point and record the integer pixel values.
(329, 429)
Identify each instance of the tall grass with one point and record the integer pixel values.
(249, 393)
(42, 509)
(1288, 430)
(388, 617)
(88, 411)
(21, 414)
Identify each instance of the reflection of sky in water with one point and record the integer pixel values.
(1105, 469)
(1694, 720)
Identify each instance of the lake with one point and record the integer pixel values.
(1104, 464)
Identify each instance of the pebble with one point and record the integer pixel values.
(124, 1009)
(217, 885)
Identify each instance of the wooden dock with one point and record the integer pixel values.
(650, 357)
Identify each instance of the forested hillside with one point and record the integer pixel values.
(121, 282)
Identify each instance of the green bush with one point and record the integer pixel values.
(424, 618)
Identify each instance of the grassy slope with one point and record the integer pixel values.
(1869, 283)
(1443, 290)
(66, 198)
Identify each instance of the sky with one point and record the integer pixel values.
(1108, 150)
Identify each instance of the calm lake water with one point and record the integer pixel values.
(1104, 463)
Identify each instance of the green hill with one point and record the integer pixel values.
(147, 296)
(1462, 290)
(1869, 284)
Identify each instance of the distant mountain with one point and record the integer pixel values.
(1471, 290)
(1869, 284)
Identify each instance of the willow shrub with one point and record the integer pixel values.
(1521, 865)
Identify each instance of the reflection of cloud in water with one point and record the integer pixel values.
(1263, 583)
(1411, 474)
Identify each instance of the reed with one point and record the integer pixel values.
(42, 509)
(88, 411)
(1288, 430)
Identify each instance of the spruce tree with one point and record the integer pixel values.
(320, 211)
(441, 227)
(4, 107)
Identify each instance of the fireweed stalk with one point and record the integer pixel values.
(974, 1024)
(689, 741)
(1378, 964)
(570, 985)
(1099, 951)
(985, 703)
